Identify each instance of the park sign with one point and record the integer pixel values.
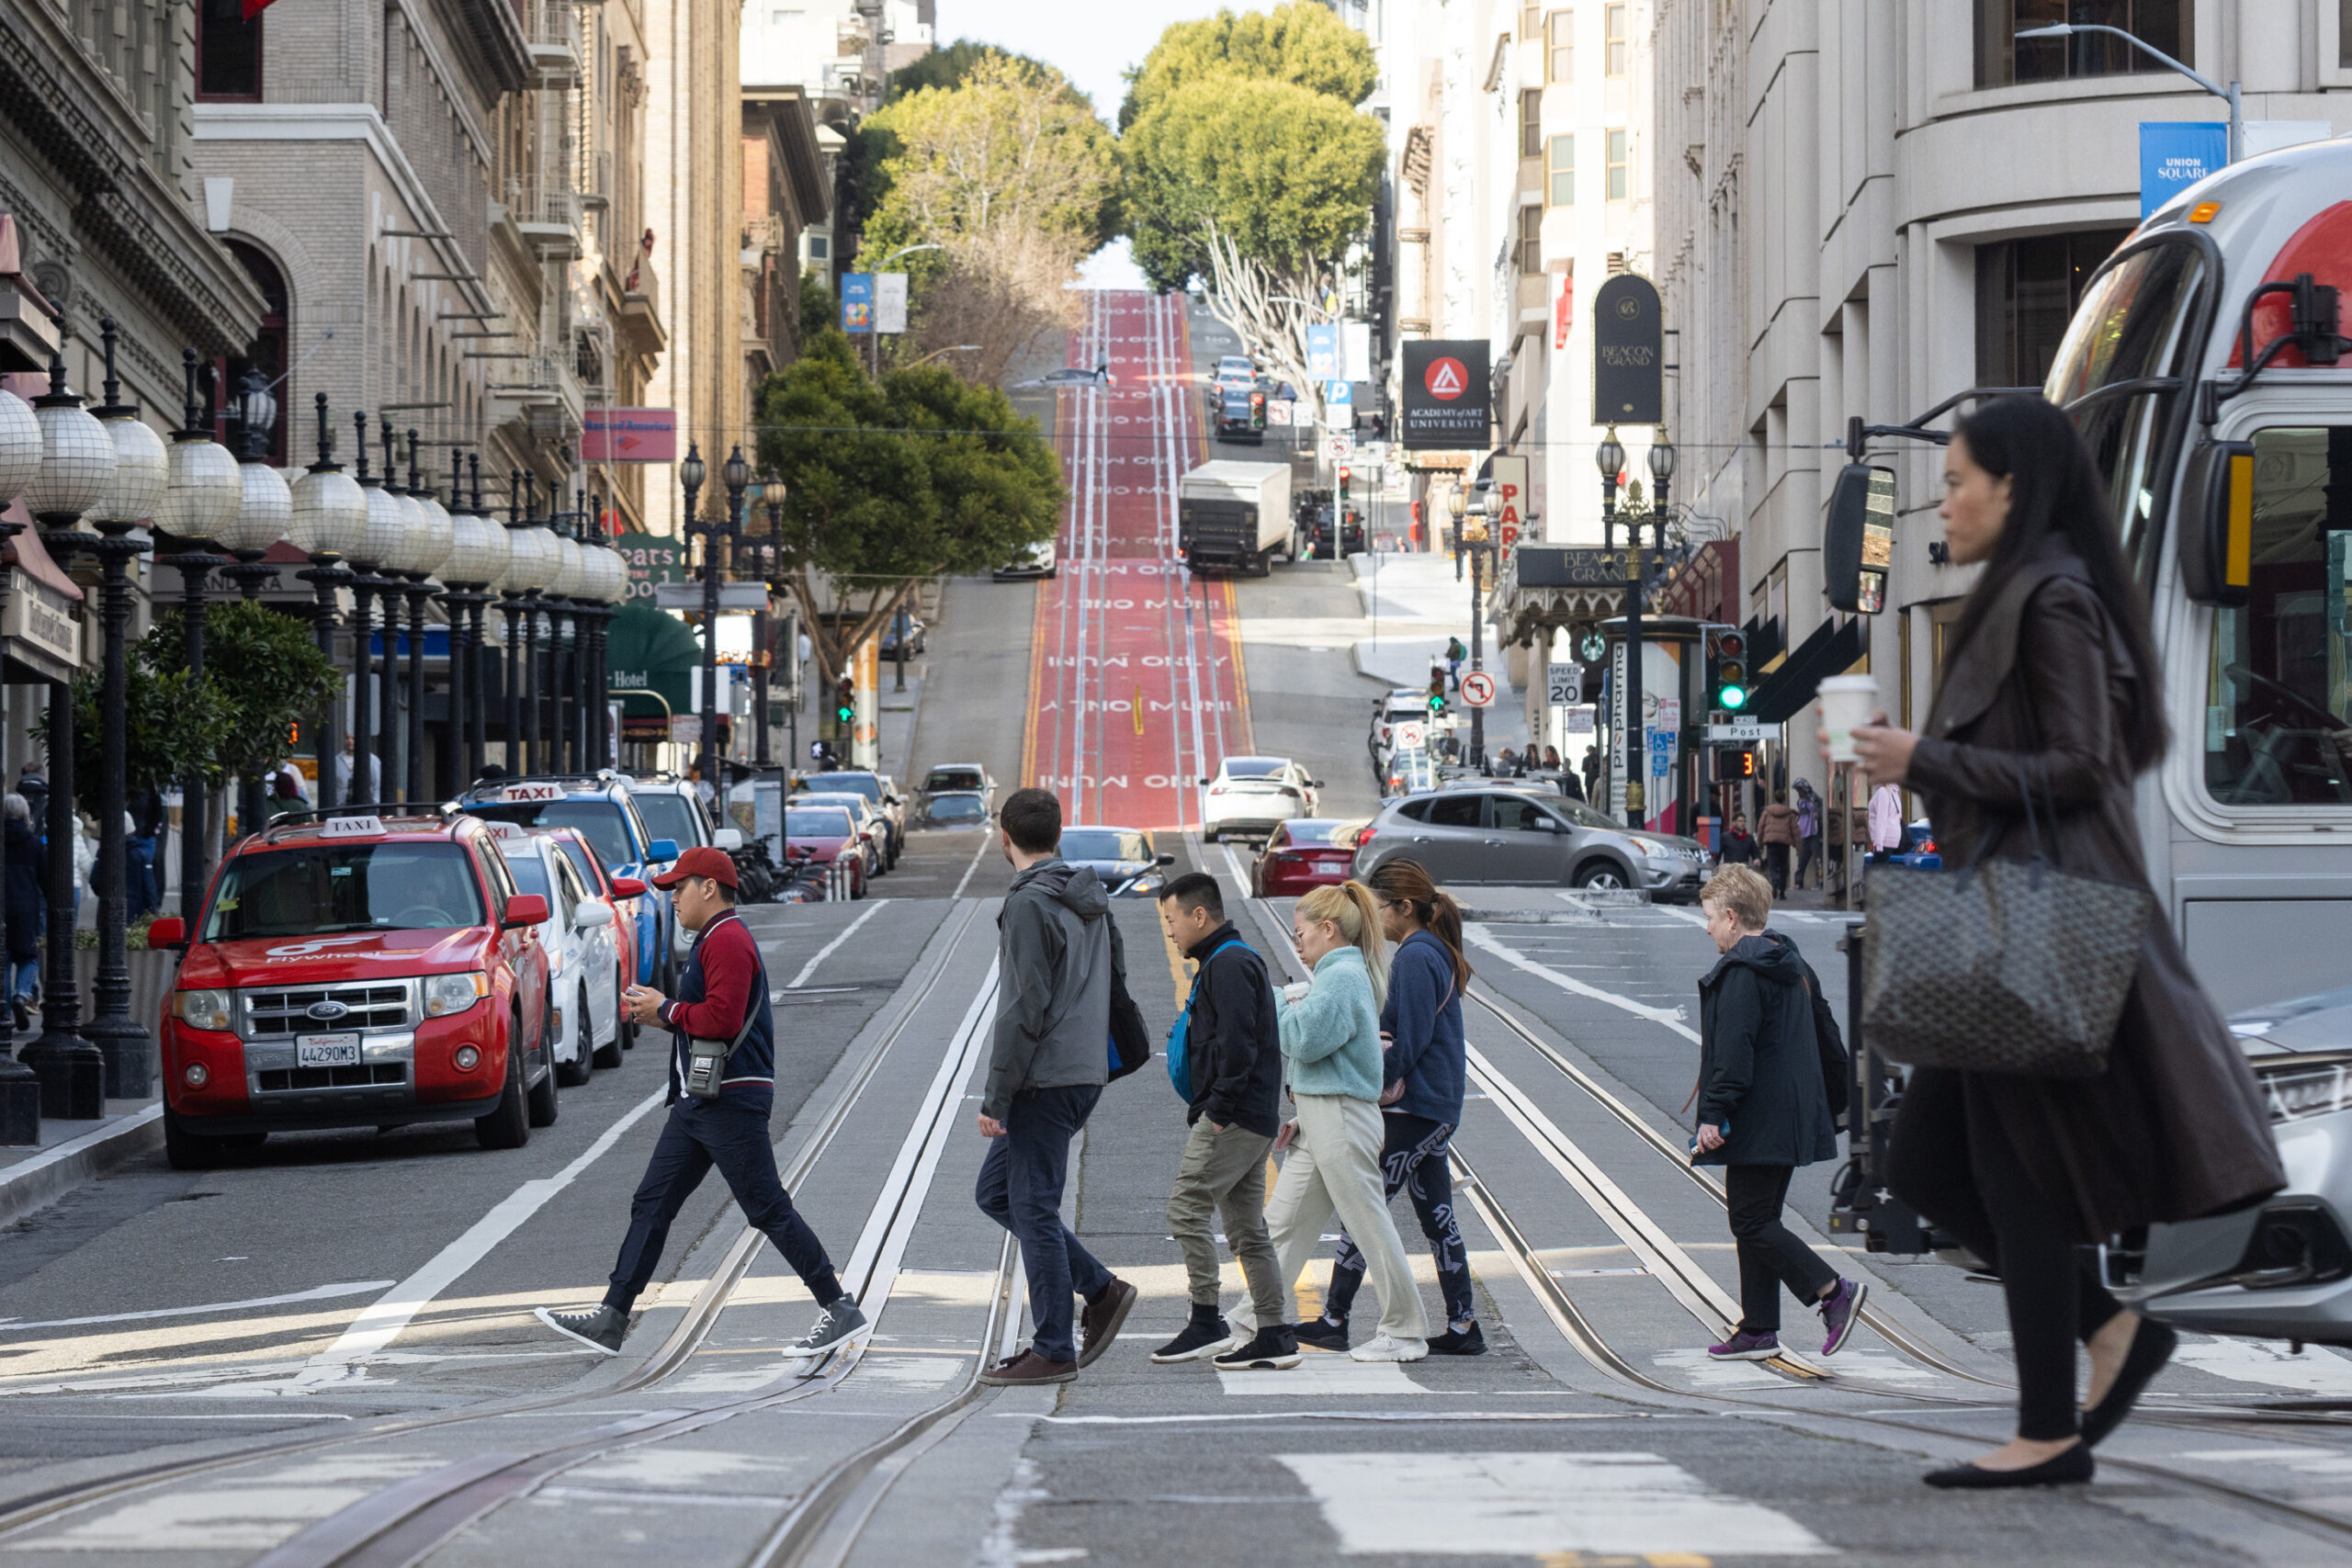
(1446, 399)
(1628, 352)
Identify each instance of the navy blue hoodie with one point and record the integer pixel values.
(1423, 1018)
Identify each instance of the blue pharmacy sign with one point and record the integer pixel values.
(1323, 353)
(857, 301)
(2176, 154)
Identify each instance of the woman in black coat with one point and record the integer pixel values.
(22, 906)
(1763, 1111)
(2052, 687)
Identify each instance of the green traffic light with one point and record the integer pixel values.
(1731, 699)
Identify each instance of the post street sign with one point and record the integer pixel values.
(1737, 730)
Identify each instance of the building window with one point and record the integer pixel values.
(2003, 59)
(1617, 165)
(228, 52)
(268, 350)
(1531, 240)
(2026, 292)
(1612, 27)
(1560, 48)
(1560, 176)
(1531, 121)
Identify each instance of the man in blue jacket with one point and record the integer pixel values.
(725, 988)
(1233, 1054)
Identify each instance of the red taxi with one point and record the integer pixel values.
(353, 970)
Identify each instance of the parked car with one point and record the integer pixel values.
(1248, 795)
(823, 833)
(606, 813)
(1410, 772)
(356, 970)
(962, 778)
(1037, 561)
(673, 808)
(1304, 854)
(1528, 837)
(1918, 850)
(906, 626)
(583, 963)
(867, 825)
(1316, 531)
(2281, 1269)
(616, 892)
(955, 809)
(1236, 370)
(1123, 857)
(889, 807)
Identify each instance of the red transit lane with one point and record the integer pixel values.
(1137, 686)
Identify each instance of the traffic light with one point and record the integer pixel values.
(845, 703)
(1727, 688)
(1257, 411)
(1343, 487)
(1436, 699)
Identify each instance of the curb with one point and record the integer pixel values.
(50, 1174)
(1530, 917)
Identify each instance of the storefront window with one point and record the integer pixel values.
(2002, 58)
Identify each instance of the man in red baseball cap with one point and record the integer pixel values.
(722, 1086)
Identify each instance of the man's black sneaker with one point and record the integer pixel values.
(602, 1329)
(1098, 1324)
(1272, 1350)
(1323, 1334)
(1200, 1337)
(1459, 1342)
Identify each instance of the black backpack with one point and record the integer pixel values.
(1130, 1044)
(1836, 1067)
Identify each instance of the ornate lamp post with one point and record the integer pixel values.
(268, 504)
(690, 475)
(201, 499)
(141, 470)
(1611, 459)
(385, 523)
(476, 561)
(556, 595)
(535, 558)
(610, 574)
(330, 522)
(77, 464)
(1472, 539)
(21, 445)
(428, 551)
(772, 493)
(736, 475)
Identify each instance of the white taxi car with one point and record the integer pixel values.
(582, 949)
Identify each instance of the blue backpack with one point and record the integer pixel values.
(1179, 1061)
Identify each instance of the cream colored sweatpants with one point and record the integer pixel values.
(1334, 1166)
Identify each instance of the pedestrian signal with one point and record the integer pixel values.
(845, 702)
(1727, 688)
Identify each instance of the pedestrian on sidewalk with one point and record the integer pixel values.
(1057, 962)
(1331, 1044)
(1426, 1066)
(1233, 1054)
(22, 906)
(722, 997)
(1454, 654)
(1763, 1111)
(1808, 832)
(1738, 848)
(2051, 686)
(1776, 830)
(1885, 822)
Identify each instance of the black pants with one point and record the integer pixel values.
(1776, 866)
(1020, 1189)
(731, 1133)
(1809, 857)
(1412, 1157)
(1769, 1254)
(1956, 1167)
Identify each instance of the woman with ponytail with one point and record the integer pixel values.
(1331, 1048)
(1425, 1068)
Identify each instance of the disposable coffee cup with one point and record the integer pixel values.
(1296, 990)
(1846, 700)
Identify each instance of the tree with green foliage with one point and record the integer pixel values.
(1304, 44)
(1255, 183)
(893, 483)
(819, 308)
(263, 676)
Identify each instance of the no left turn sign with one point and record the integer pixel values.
(1478, 688)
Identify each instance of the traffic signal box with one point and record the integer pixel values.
(1727, 687)
(1436, 700)
(1343, 490)
(1257, 411)
(845, 703)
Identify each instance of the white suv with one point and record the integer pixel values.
(1249, 795)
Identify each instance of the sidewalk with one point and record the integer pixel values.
(1415, 606)
(72, 1152)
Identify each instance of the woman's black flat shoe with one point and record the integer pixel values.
(2074, 1464)
(2152, 1344)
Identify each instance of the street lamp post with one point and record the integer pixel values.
(1470, 530)
(394, 560)
(77, 462)
(1661, 464)
(477, 555)
(1611, 457)
(329, 520)
(2231, 93)
(383, 525)
(200, 501)
(20, 458)
(509, 601)
(773, 494)
(690, 475)
(263, 518)
(486, 569)
(429, 553)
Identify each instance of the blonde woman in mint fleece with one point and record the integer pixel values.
(1331, 1047)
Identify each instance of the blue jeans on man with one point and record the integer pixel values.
(1020, 1189)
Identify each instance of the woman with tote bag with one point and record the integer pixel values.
(2050, 707)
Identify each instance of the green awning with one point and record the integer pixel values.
(652, 652)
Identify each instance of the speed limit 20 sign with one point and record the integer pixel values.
(1478, 688)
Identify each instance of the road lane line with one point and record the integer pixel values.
(986, 837)
(385, 1317)
(1476, 936)
(835, 946)
(317, 1293)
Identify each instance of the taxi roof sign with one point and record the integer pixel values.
(527, 792)
(508, 831)
(357, 827)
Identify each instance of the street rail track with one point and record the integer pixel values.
(385, 1527)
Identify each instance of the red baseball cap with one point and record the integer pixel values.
(700, 860)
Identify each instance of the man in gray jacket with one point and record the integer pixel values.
(1057, 960)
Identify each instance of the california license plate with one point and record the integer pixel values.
(327, 1050)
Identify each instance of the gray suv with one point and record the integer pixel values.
(1518, 837)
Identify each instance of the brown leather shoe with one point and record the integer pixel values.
(1100, 1323)
(1029, 1368)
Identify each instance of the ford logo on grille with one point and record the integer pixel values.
(327, 1010)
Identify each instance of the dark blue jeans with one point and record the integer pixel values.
(731, 1133)
(139, 876)
(1020, 1189)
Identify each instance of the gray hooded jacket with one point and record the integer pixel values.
(1053, 967)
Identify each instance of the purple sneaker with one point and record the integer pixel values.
(1841, 1309)
(1746, 1347)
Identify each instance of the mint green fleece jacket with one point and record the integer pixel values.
(1331, 1035)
